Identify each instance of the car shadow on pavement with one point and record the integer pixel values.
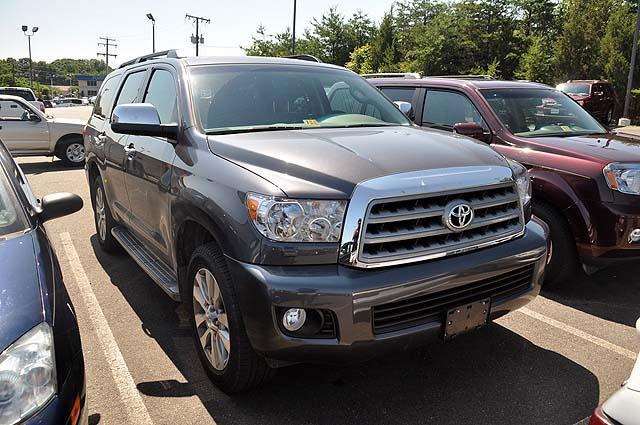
(492, 376)
(47, 166)
(612, 294)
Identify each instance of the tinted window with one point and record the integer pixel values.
(12, 111)
(130, 88)
(104, 101)
(444, 109)
(252, 97)
(161, 93)
(25, 94)
(12, 218)
(399, 94)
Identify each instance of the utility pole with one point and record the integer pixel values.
(198, 39)
(108, 42)
(632, 66)
(293, 42)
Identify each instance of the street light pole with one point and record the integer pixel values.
(33, 31)
(632, 66)
(293, 42)
(153, 30)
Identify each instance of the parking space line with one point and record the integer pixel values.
(577, 332)
(136, 409)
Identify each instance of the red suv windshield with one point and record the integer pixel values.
(540, 113)
(575, 89)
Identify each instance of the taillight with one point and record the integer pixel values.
(42, 108)
(599, 418)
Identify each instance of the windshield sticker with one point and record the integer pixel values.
(565, 128)
(311, 123)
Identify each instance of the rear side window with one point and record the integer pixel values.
(161, 93)
(104, 101)
(399, 94)
(444, 109)
(130, 88)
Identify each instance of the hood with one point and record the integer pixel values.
(577, 97)
(68, 121)
(328, 163)
(604, 148)
(20, 295)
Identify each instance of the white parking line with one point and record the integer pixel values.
(580, 334)
(136, 410)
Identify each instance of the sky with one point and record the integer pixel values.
(70, 28)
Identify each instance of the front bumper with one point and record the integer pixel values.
(609, 235)
(350, 295)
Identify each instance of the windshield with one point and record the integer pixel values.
(25, 94)
(575, 88)
(541, 112)
(12, 218)
(260, 97)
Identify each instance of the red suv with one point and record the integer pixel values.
(596, 96)
(586, 179)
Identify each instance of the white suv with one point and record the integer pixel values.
(28, 132)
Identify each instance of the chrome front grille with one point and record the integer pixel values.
(414, 227)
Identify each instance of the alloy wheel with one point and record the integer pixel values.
(211, 319)
(101, 215)
(75, 152)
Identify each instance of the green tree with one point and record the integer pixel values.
(361, 60)
(537, 63)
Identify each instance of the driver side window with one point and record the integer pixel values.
(10, 110)
(444, 109)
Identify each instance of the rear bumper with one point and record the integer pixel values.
(351, 294)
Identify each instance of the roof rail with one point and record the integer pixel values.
(413, 75)
(464, 77)
(173, 53)
(308, 58)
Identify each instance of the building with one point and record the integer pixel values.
(88, 85)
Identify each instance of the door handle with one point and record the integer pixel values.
(130, 150)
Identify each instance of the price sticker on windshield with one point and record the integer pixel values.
(311, 123)
(565, 128)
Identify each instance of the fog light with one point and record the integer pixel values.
(634, 236)
(293, 319)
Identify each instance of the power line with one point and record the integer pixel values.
(198, 39)
(107, 43)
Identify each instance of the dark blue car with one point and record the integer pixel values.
(42, 377)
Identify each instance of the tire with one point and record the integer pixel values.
(562, 263)
(242, 369)
(71, 152)
(102, 217)
(609, 117)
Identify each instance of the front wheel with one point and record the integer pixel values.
(102, 217)
(71, 152)
(218, 330)
(562, 259)
(609, 117)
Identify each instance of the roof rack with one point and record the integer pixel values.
(464, 77)
(413, 75)
(173, 53)
(308, 58)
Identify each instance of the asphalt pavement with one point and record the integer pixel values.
(550, 363)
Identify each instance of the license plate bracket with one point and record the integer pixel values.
(467, 317)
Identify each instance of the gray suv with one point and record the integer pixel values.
(299, 215)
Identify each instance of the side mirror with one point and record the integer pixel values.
(34, 117)
(141, 119)
(471, 129)
(405, 108)
(59, 204)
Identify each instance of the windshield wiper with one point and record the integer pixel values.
(254, 129)
(356, 125)
(571, 134)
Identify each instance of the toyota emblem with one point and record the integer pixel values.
(458, 215)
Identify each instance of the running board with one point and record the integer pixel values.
(157, 270)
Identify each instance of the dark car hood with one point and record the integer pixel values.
(328, 163)
(604, 148)
(20, 294)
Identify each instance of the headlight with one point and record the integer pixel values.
(27, 375)
(624, 178)
(289, 220)
(523, 181)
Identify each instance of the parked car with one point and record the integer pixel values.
(42, 377)
(84, 100)
(27, 132)
(49, 104)
(293, 230)
(25, 93)
(623, 407)
(596, 96)
(68, 102)
(586, 179)
(92, 100)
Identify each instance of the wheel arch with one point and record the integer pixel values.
(67, 137)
